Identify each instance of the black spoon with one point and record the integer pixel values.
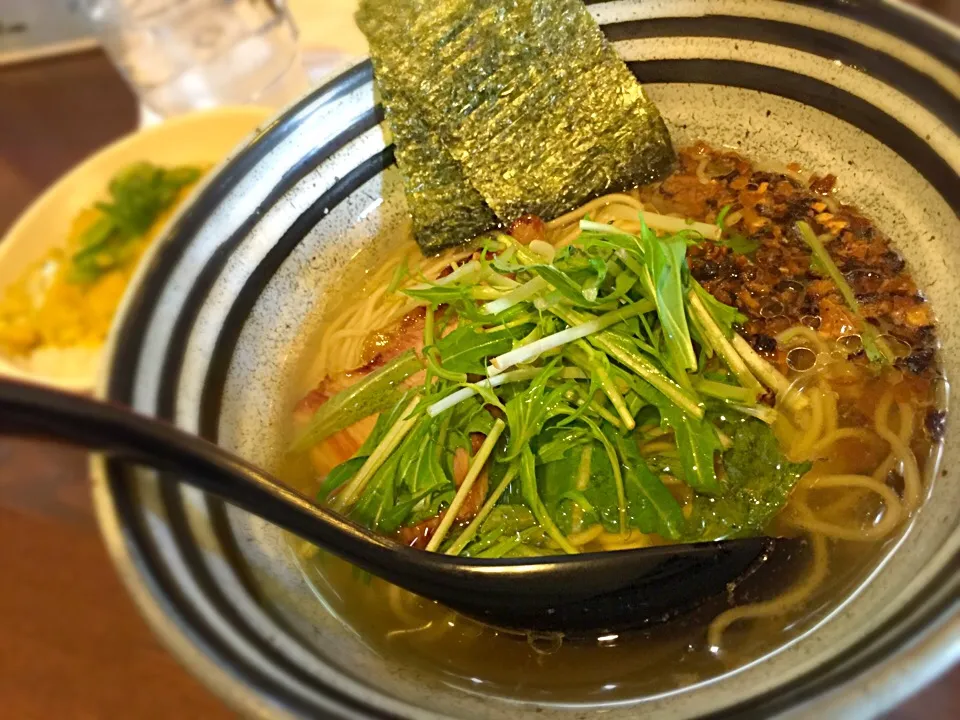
(571, 593)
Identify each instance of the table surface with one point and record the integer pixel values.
(73, 645)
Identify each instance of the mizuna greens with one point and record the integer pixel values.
(611, 393)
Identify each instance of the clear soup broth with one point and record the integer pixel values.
(862, 434)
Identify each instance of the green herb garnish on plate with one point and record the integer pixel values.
(138, 196)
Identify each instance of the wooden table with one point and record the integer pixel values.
(71, 643)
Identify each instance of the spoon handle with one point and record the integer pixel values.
(567, 593)
(28, 410)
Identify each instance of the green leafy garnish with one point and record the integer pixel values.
(652, 507)
(665, 261)
(758, 483)
(468, 348)
(740, 244)
(599, 369)
(875, 346)
(529, 410)
(138, 196)
(377, 391)
(531, 494)
(696, 440)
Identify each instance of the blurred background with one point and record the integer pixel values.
(36, 27)
(74, 76)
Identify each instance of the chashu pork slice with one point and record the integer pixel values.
(382, 347)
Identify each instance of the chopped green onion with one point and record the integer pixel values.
(714, 335)
(463, 393)
(389, 443)
(876, 347)
(527, 353)
(472, 474)
(467, 535)
(517, 295)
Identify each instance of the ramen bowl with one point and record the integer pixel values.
(215, 328)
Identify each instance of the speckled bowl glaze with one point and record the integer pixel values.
(221, 311)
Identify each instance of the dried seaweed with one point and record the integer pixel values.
(526, 95)
(446, 209)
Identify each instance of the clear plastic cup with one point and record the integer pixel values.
(182, 55)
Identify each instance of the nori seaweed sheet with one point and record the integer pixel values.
(446, 209)
(527, 95)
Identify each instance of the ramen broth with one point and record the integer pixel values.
(424, 635)
(865, 413)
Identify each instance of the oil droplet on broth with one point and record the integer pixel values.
(851, 344)
(899, 347)
(801, 359)
(771, 308)
(545, 643)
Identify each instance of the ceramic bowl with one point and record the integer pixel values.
(224, 306)
(202, 138)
